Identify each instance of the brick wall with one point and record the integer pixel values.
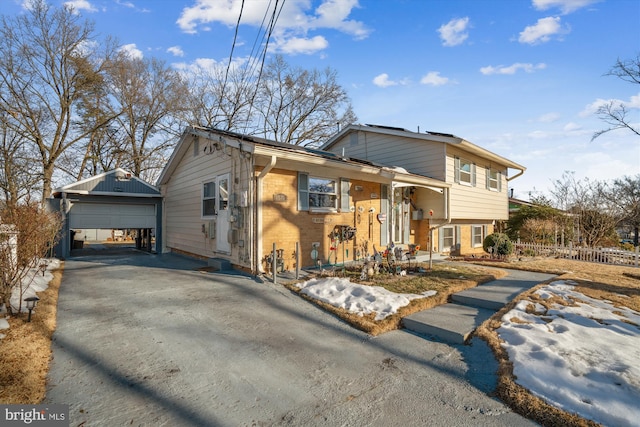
(284, 225)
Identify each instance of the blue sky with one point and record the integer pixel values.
(521, 78)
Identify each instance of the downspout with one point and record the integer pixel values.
(447, 194)
(257, 265)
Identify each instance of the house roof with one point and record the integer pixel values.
(445, 138)
(265, 147)
(117, 182)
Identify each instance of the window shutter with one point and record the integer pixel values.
(473, 174)
(440, 239)
(499, 181)
(457, 238)
(344, 195)
(456, 169)
(303, 191)
(488, 179)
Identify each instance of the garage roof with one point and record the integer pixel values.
(117, 182)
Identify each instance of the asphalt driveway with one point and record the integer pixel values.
(147, 340)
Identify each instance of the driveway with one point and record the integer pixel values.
(147, 340)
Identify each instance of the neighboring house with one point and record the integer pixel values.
(233, 197)
(478, 179)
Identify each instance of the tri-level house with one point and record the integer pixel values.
(236, 197)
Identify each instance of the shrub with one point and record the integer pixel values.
(498, 244)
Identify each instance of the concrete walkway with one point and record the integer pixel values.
(454, 322)
(151, 340)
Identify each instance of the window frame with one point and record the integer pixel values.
(474, 235)
(306, 190)
(204, 198)
(445, 238)
(494, 184)
(460, 162)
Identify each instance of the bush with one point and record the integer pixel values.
(498, 244)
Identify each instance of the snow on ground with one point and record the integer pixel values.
(35, 281)
(359, 299)
(583, 358)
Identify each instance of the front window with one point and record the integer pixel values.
(322, 193)
(448, 238)
(209, 199)
(477, 235)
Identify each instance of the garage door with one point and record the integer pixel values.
(108, 215)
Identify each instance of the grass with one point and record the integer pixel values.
(445, 279)
(26, 349)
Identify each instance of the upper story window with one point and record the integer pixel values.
(493, 179)
(209, 199)
(465, 172)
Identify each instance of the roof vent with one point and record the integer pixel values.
(122, 175)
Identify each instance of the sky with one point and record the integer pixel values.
(521, 78)
(581, 358)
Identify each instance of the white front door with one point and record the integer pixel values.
(222, 222)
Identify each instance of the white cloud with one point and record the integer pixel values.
(454, 32)
(132, 51)
(433, 78)
(549, 117)
(543, 30)
(565, 6)
(176, 51)
(512, 69)
(296, 45)
(295, 21)
(571, 127)
(79, 5)
(125, 4)
(382, 80)
(590, 109)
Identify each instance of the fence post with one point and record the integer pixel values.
(274, 264)
(297, 260)
(637, 254)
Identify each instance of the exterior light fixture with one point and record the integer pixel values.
(31, 304)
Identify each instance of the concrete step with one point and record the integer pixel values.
(491, 296)
(452, 323)
(219, 264)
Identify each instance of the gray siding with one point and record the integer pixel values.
(419, 157)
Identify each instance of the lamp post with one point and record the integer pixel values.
(31, 304)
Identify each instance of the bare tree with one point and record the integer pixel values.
(17, 180)
(624, 194)
(597, 217)
(47, 62)
(149, 95)
(615, 113)
(23, 243)
(300, 107)
(220, 98)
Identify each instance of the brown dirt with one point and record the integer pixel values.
(26, 350)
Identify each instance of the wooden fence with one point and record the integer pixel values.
(598, 255)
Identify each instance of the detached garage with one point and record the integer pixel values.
(114, 200)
